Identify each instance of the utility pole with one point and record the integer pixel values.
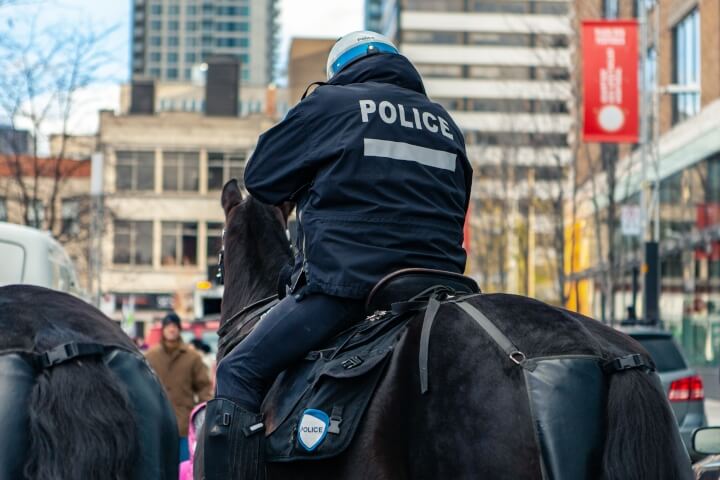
(649, 192)
(530, 262)
(97, 201)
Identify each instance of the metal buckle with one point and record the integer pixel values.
(59, 354)
(351, 362)
(518, 357)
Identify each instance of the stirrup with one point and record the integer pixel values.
(233, 442)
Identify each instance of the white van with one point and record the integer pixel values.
(33, 257)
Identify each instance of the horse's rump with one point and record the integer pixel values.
(83, 401)
(478, 419)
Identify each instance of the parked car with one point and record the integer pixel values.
(707, 441)
(684, 387)
(33, 257)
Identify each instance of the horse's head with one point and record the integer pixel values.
(255, 247)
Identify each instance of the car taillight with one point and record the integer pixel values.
(688, 388)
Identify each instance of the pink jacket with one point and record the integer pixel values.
(186, 467)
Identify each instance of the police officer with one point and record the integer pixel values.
(381, 181)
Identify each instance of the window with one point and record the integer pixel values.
(191, 10)
(191, 26)
(611, 9)
(132, 243)
(173, 25)
(180, 171)
(69, 215)
(156, 41)
(172, 57)
(232, 26)
(686, 66)
(174, 9)
(190, 57)
(156, 25)
(173, 41)
(439, 71)
(232, 42)
(447, 38)
(179, 243)
(156, 9)
(214, 242)
(135, 171)
(155, 56)
(36, 213)
(224, 166)
(233, 11)
(172, 73)
(3, 210)
(155, 72)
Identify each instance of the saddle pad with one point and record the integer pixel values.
(314, 409)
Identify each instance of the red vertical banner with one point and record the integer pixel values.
(610, 81)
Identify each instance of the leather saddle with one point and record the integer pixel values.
(404, 284)
(331, 388)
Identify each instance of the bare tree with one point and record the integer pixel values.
(42, 70)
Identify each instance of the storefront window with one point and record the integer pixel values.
(686, 66)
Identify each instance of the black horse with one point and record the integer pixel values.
(77, 399)
(475, 422)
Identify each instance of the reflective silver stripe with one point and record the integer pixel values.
(412, 153)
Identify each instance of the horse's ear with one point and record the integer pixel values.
(231, 195)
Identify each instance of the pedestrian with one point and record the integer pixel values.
(183, 374)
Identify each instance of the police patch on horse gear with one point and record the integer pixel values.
(314, 408)
(313, 428)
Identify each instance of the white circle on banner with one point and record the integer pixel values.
(611, 118)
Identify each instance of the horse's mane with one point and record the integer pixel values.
(256, 249)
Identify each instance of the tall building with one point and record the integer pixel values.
(501, 69)
(683, 155)
(171, 37)
(14, 141)
(307, 62)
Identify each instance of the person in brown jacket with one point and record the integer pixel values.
(183, 374)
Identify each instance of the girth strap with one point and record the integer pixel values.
(498, 337)
(432, 308)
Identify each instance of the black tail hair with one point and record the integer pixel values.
(642, 438)
(81, 424)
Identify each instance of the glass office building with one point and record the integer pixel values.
(170, 37)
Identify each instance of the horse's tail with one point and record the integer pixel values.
(642, 437)
(81, 424)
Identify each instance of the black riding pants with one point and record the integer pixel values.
(295, 326)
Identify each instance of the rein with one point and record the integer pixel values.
(252, 311)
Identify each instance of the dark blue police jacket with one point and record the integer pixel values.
(379, 174)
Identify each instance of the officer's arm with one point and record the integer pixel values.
(281, 165)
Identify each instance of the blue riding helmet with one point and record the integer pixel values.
(356, 45)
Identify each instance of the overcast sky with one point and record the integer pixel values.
(298, 18)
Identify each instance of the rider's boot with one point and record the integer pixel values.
(233, 442)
